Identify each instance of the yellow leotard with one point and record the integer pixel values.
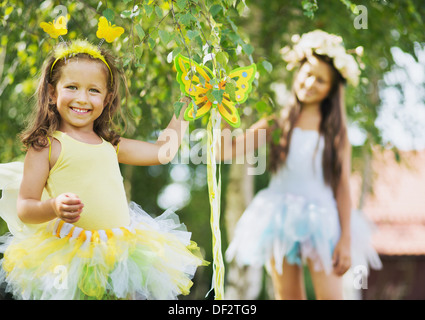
(92, 172)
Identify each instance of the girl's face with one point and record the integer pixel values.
(80, 94)
(313, 81)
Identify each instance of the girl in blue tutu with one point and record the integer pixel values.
(304, 216)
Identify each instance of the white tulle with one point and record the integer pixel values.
(295, 218)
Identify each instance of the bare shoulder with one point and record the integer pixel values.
(36, 172)
(37, 158)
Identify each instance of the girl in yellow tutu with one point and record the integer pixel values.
(74, 236)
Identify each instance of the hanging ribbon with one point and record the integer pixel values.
(214, 191)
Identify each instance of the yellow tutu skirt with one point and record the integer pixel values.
(153, 258)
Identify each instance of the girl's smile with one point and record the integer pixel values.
(80, 111)
(80, 94)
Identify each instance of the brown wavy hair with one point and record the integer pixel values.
(332, 126)
(45, 118)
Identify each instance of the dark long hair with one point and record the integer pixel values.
(45, 118)
(332, 127)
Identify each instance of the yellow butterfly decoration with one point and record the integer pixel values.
(108, 31)
(207, 92)
(56, 28)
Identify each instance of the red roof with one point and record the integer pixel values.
(397, 203)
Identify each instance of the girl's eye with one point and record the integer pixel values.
(71, 87)
(94, 90)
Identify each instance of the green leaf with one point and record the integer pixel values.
(109, 14)
(210, 96)
(230, 90)
(191, 34)
(8, 11)
(261, 106)
(195, 108)
(186, 19)
(222, 58)
(139, 51)
(248, 48)
(165, 36)
(215, 9)
(181, 4)
(267, 65)
(126, 61)
(126, 14)
(151, 43)
(158, 11)
(309, 6)
(140, 31)
(178, 107)
(148, 9)
(217, 96)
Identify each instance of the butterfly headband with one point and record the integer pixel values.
(58, 28)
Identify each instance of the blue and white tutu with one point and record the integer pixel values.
(286, 226)
(296, 218)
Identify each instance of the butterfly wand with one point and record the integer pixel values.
(219, 98)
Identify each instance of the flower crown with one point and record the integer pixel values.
(58, 28)
(323, 43)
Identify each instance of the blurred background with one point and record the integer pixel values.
(386, 112)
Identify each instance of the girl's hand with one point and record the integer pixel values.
(186, 100)
(68, 207)
(341, 258)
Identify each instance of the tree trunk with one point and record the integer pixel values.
(243, 283)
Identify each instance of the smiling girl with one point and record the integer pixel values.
(304, 216)
(72, 207)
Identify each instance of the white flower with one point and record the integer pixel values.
(323, 43)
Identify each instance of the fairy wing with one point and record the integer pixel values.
(189, 74)
(229, 112)
(243, 77)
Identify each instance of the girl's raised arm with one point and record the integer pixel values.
(142, 153)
